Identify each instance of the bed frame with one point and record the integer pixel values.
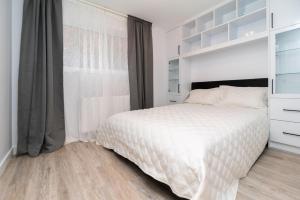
(260, 82)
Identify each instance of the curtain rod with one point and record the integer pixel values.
(102, 8)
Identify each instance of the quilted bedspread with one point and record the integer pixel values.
(200, 151)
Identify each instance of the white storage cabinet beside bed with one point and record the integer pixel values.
(284, 51)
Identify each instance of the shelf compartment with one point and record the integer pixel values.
(288, 40)
(193, 38)
(205, 22)
(288, 62)
(189, 29)
(287, 51)
(192, 43)
(288, 83)
(248, 25)
(215, 36)
(248, 6)
(174, 64)
(257, 37)
(225, 13)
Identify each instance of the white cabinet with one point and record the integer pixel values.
(231, 23)
(179, 69)
(173, 43)
(285, 62)
(179, 80)
(174, 87)
(285, 91)
(284, 13)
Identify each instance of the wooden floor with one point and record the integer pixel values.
(85, 171)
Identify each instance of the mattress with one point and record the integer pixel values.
(200, 151)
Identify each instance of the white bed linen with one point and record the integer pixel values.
(200, 151)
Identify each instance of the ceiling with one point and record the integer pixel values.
(163, 13)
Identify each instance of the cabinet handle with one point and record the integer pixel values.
(272, 20)
(294, 134)
(178, 49)
(178, 89)
(173, 101)
(290, 110)
(272, 86)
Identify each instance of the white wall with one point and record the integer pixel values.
(160, 66)
(240, 62)
(5, 79)
(17, 13)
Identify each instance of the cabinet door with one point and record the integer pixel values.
(284, 13)
(285, 61)
(174, 77)
(173, 43)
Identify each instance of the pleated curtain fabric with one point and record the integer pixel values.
(140, 63)
(41, 126)
(96, 81)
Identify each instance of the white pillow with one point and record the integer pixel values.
(205, 96)
(254, 97)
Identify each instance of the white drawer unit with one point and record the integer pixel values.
(285, 124)
(285, 132)
(285, 109)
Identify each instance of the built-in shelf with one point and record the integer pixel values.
(241, 41)
(192, 38)
(287, 51)
(287, 73)
(192, 43)
(234, 22)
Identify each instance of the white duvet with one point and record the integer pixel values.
(200, 151)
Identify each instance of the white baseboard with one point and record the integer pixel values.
(284, 147)
(5, 160)
(14, 150)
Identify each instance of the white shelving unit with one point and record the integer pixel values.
(285, 91)
(232, 23)
(284, 75)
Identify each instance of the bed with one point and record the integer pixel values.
(200, 151)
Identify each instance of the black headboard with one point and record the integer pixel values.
(260, 82)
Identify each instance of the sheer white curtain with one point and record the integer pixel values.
(96, 83)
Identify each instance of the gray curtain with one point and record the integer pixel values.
(41, 125)
(140, 63)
